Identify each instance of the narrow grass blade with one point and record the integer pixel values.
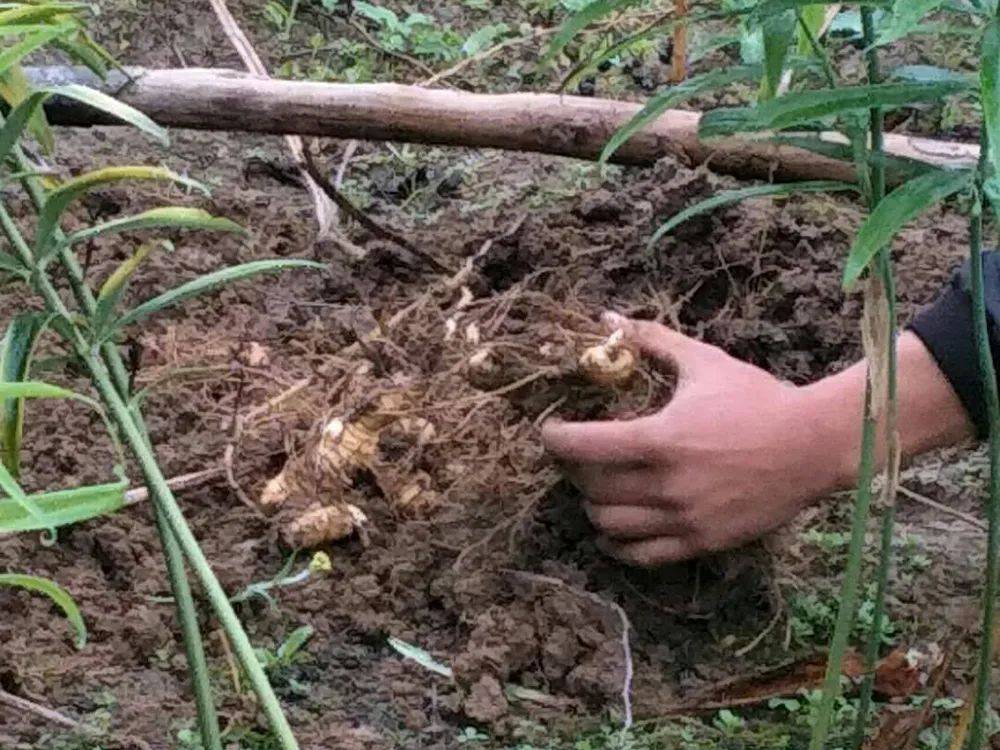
(735, 196)
(778, 32)
(989, 94)
(59, 199)
(41, 13)
(37, 389)
(673, 96)
(63, 507)
(14, 89)
(10, 487)
(114, 287)
(17, 52)
(802, 107)
(59, 596)
(579, 21)
(30, 108)
(165, 217)
(209, 282)
(16, 350)
(898, 208)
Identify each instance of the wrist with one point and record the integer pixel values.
(832, 410)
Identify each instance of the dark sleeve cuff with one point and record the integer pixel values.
(946, 330)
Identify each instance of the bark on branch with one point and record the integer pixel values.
(212, 99)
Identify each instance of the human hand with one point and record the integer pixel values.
(734, 454)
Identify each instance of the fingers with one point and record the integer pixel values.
(660, 341)
(615, 485)
(622, 442)
(631, 522)
(651, 552)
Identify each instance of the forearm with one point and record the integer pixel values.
(930, 414)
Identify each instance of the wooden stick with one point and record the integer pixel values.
(183, 482)
(546, 123)
(24, 705)
(678, 59)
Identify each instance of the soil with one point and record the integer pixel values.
(496, 574)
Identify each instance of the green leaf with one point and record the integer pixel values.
(11, 264)
(41, 13)
(113, 288)
(902, 205)
(209, 282)
(670, 97)
(778, 32)
(734, 196)
(805, 106)
(482, 38)
(57, 594)
(17, 52)
(38, 389)
(164, 217)
(813, 17)
(13, 490)
(989, 94)
(16, 350)
(64, 507)
(382, 16)
(57, 201)
(294, 643)
(23, 112)
(14, 89)
(579, 21)
(905, 19)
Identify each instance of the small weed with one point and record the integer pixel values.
(471, 737)
(828, 541)
(814, 615)
(727, 722)
(288, 653)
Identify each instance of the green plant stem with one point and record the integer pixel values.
(849, 587)
(987, 374)
(196, 558)
(828, 71)
(872, 176)
(187, 617)
(290, 20)
(194, 649)
(883, 265)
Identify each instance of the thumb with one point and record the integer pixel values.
(661, 342)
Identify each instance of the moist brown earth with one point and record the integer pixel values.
(491, 577)
(497, 574)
